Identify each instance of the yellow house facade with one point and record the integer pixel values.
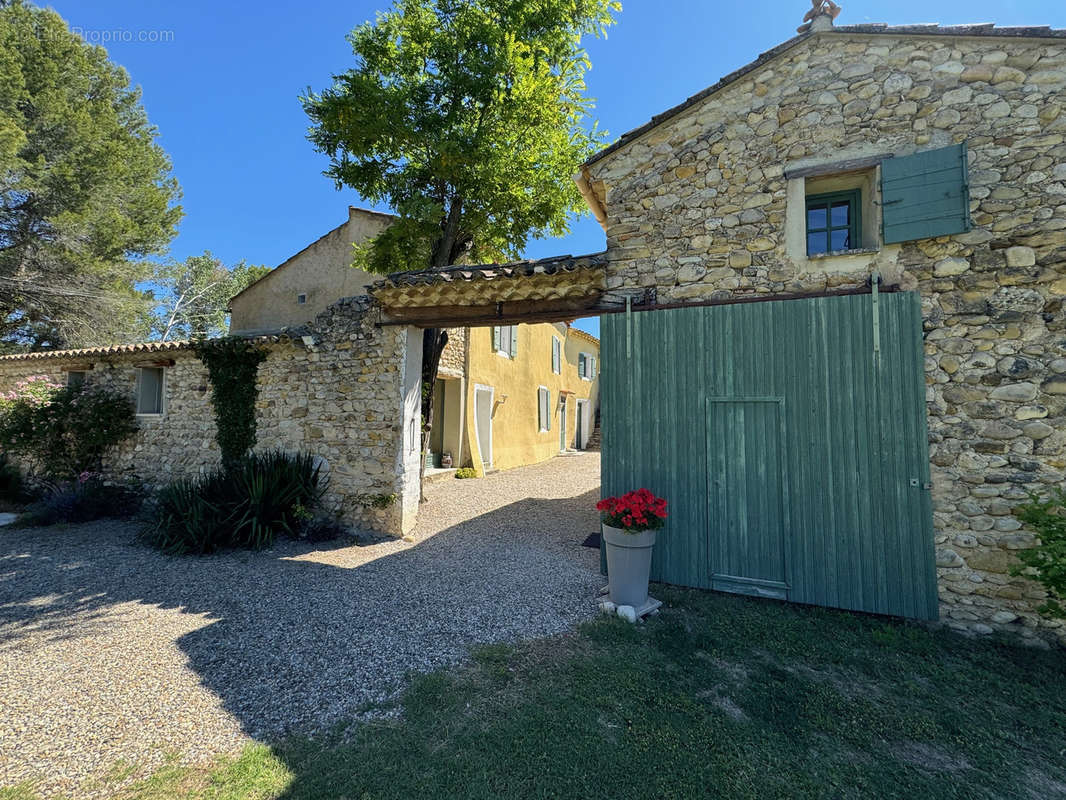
(532, 393)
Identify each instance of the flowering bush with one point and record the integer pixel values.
(35, 391)
(64, 430)
(634, 511)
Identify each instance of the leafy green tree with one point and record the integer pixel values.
(193, 295)
(85, 190)
(468, 118)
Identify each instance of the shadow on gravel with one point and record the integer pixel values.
(294, 645)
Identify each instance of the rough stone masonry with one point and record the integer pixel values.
(340, 390)
(699, 207)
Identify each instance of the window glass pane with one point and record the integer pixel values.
(841, 215)
(816, 243)
(75, 380)
(840, 240)
(816, 217)
(150, 391)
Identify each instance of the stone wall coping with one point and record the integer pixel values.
(875, 28)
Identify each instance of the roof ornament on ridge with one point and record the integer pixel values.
(820, 17)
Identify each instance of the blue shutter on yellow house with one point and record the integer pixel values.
(925, 195)
(495, 339)
(514, 341)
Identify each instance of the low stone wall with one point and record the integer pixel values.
(338, 391)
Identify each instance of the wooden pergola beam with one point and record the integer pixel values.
(502, 313)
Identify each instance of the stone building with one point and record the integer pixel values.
(726, 197)
(305, 284)
(341, 388)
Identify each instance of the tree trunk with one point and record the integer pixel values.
(434, 341)
(446, 252)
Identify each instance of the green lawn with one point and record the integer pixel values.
(717, 696)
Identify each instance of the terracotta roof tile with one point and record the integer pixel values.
(486, 272)
(124, 349)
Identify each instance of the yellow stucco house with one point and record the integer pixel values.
(505, 396)
(530, 393)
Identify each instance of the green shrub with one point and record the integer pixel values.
(64, 430)
(1046, 562)
(12, 484)
(83, 500)
(244, 504)
(466, 472)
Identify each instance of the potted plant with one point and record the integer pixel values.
(629, 526)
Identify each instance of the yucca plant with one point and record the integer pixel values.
(246, 504)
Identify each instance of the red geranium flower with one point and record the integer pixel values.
(635, 511)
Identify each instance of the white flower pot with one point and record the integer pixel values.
(628, 565)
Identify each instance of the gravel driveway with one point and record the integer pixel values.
(110, 651)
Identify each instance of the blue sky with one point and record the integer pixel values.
(221, 82)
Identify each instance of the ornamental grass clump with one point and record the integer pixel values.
(244, 504)
(633, 512)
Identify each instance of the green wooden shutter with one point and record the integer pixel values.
(555, 355)
(495, 339)
(581, 365)
(544, 410)
(925, 195)
(592, 368)
(514, 341)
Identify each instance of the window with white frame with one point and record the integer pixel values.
(557, 356)
(505, 340)
(544, 417)
(586, 366)
(151, 383)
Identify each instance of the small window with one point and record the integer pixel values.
(833, 222)
(505, 340)
(556, 356)
(76, 378)
(544, 418)
(150, 383)
(301, 299)
(586, 366)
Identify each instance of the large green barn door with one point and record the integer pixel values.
(835, 510)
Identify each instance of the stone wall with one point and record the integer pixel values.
(699, 208)
(338, 392)
(453, 357)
